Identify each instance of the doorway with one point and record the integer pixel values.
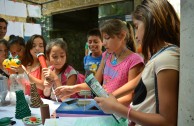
(73, 27)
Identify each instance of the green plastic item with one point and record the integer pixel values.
(5, 121)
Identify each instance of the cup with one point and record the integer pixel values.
(3, 89)
(45, 112)
(42, 60)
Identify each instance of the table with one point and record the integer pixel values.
(9, 111)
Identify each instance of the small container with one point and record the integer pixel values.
(32, 121)
(3, 89)
(45, 112)
(14, 86)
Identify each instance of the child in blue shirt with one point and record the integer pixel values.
(92, 61)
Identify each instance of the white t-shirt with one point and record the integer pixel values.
(144, 99)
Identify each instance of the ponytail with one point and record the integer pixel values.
(131, 39)
(115, 27)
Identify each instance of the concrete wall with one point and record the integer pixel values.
(137, 2)
(186, 88)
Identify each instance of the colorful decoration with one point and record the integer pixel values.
(32, 121)
(11, 62)
(35, 98)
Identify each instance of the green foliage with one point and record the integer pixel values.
(117, 8)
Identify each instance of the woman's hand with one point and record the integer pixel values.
(64, 91)
(107, 104)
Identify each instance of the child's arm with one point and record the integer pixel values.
(47, 89)
(125, 93)
(99, 73)
(72, 80)
(50, 80)
(70, 90)
(168, 96)
(51, 76)
(110, 105)
(38, 82)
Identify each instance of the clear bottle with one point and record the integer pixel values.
(3, 89)
(14, 86)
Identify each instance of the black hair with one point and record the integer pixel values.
(3, 20)
(94, 32)
(60, 43)
(15, 40)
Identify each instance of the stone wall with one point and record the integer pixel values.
(186, 92)
(62, 6)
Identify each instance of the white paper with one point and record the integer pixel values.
(34, 10)
(128, 17)
(2, 7)
(31, 29)
(15, 28)
(15, 9)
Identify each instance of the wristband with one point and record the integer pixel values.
(129, 109)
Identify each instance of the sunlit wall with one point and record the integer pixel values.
(176, 5)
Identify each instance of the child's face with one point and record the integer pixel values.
(95, 44)
(37, 47)
(112, 43)
(3, 52)
(17, 49)
(57, 57)
(139, 30)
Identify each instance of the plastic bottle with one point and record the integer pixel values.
(14, 86)
(3, 89)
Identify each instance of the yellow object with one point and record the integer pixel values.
(15, 62)
(11, 62)
(93, 68)
(6, 63)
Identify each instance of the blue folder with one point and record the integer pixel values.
(73, 106)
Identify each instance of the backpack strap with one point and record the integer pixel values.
(156, 93)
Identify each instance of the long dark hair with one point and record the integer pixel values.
(161, 24)
(115, 27)
(63, 45)
(29, 45)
